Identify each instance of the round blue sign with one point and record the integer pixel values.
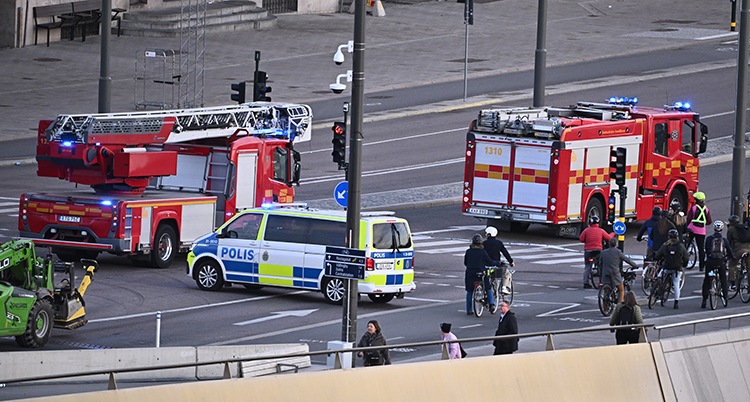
(619, 228)
(341, 193)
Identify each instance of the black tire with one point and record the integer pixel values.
(164, 247)
(39, 326)
(713, 293)
(595, 275)
(333, 290)
(692, 254)
(647, 279)
(605, 302)
(381, 298)
(208, 275)
(678, 196)
(252, 286)
(478, 299)
(509, 298)
(594, 208)
(667, 290)
(655, 292)
(744, 287)
(733, 293)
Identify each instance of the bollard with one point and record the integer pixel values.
(158, 328)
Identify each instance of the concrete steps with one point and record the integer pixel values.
(231, 15)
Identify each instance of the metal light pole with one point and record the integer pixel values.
(349, 322)
(738, 156)
(540, 56)
(105, 81)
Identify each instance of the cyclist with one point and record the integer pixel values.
(592, 238)
(737, 234)
(675, 257)
(698, 218)
(717, 251)
(475, 260)
(650, 227)
(611, 261)
(494, 248)
(677, 218)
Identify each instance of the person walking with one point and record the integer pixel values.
(650, 228)
(698, 218)
(506, 326)
(494, 248)
(627, 312)
(612, 258)
(675, 257)
(475, 260)
(454, 349)
(718, 251)
(592, 238)
(739, 238)
(374, 337)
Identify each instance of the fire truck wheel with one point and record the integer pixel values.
(163, 249)
(594, 208)
(677, 196)
(39, 326)
(208, 275)
(519, 227)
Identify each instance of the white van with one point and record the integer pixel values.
(285, 246)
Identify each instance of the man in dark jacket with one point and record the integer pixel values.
(494, 248)
(507, 326)
(675, 257)
(476, 260)
(650, 228)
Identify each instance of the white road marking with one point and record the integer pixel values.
(557, 261)
(444, 250)
(439, 243)
(278, 314)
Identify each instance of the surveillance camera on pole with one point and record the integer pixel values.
(338, 57)
(337, 87)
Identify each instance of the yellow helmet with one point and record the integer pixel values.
(699, 196)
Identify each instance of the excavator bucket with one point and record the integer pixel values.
(68, 300)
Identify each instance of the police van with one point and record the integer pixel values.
(285, 245)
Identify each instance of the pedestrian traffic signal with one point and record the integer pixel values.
(611, 208)
(240, 95)
(617, 165)
(260, 89)
(339, 142)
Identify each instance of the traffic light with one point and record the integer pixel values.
(240, 95)
(617, 165)
(611, 208)
(260, 89)
(339, 142)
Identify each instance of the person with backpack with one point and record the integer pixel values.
(650, 227)
(675, 257)
(627, 312)
(738, 235)
(698, 218)
(612, 259)
(494, 248)
(678, 218)
(717, 252)
(592, 238)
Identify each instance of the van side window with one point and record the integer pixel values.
(245, 227)
(390, 236)
(327, 233)
(661, 139)
(289, 229)
(688, 133)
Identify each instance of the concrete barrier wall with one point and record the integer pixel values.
(710, 367)
(580, 375)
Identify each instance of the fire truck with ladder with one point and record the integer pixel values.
(160, 179)
(552, 165)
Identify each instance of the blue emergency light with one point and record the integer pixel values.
(106, 202)
(683, 106)
(623, 100)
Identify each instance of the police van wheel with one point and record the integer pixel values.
(333, 290)
(380, 298)
(208, 275)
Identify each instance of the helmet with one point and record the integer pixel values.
(594, 219)
(476, 239)
(656, 211)
(673, 233)
(734, 219)
(491, 231)
(665, 213)
(675, 206)
(718, 226)
(699, 196)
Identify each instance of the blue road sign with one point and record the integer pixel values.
(619, 228)
(345, 263)
(340, 193)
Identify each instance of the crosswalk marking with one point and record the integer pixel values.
(557, 261)
(542, 256)
(439, 243)
(5, 211)
(8, 204)
(444, 250)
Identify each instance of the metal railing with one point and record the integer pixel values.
(338, 353)
(694, 323)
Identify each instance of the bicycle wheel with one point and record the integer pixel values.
(666, 289)
(731, 294)
(647, 279)
(682, 280)
(495, 296)
(744, 288)
(595, 274)
(605, 300)
(509, 297)
(692, 255)
(478, 300)
(654, 296)
(713, 293)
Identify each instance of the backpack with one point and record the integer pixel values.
(672, 260)
(717, 249)
(743, 233)
(625, 316)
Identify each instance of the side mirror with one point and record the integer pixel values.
(704, 139)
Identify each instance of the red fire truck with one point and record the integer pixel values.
(161, 178)
(552, 165)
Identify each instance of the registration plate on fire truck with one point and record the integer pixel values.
(67, 218)
(480, 211)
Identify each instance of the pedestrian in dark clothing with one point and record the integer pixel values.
(627, 312)
(717, 254)
(475, 260)
(650, 227)
(506, 326)
(374, 337)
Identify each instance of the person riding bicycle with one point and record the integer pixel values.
(717, 252)
(656, 237)
(678, 218)
(699, 217)
(494, 248)
(611, 260)
(475, 260)
(592, 238)
(739, 238)
(675, 257)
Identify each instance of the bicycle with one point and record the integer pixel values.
(497, 283)
(662, 286)
(649, 275)
(479, 296)
(608, 296)
(714, 290)
(743, 287)
(596, 270)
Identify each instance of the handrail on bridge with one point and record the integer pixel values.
(701, 321)
(338, 353)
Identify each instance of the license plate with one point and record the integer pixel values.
(67, 218)
(384, 265)
(479, 211)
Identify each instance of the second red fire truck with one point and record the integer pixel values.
(160, 179)
(552, 165)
